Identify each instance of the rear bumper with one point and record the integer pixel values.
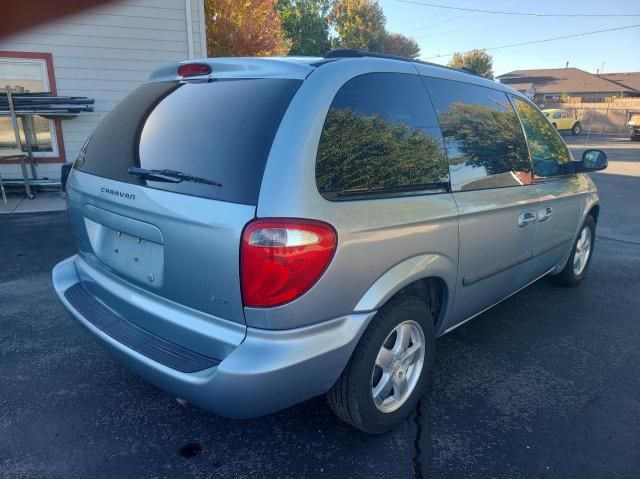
(270, 370)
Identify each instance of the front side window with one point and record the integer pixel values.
(549, 155)
(381, 138)
(482, 135)
(26, 76)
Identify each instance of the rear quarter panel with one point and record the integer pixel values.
(374, 236)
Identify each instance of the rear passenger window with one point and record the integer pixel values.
(482, 136)
(381, 138)
(549, 155)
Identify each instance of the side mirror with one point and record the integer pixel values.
(593, 160)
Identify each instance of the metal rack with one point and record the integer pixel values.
(24, 105)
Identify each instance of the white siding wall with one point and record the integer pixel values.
(105, 53)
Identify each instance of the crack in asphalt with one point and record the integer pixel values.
(419, 466)
(636, 243)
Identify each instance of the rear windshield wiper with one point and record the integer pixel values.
(169, 176)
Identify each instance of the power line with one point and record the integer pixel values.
(435, 34)
(523, 14)
(542, 41)
(435, 24)
(420, 20)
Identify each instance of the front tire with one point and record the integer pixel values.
(581, 253)
(389, 371)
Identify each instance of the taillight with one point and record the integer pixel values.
(281, 259)
(193, 69)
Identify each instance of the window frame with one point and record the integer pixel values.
(508, 95)
(383, 195)
(539, 179)
(57, 140)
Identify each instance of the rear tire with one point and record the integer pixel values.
(580, 258)
(576, 129)
(352, 397)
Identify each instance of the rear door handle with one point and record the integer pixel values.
(545, 213)
(526, 218)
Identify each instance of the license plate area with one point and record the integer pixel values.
(131, 256)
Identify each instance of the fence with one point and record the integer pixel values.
(603, 117)
(627, 102)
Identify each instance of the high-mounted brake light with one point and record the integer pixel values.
(281, 259)
(193, 69)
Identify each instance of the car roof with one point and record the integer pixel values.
(299, 67)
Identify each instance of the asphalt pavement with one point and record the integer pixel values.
(546, 384)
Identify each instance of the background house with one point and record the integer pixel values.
(629, 80)
(550, 85)
(103, 53)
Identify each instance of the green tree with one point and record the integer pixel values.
(398, 44)
(359, 24)
(244, 28)
(306, 26)
(478, 61)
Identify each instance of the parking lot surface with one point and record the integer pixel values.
(546, 384)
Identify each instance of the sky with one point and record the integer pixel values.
(440, 32)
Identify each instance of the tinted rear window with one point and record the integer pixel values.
(221, 131)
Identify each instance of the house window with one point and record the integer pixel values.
(28, 75)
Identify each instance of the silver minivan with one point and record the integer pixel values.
(255, 232)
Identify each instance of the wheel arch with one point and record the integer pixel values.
(432, 290)
(595, 212)
(429, 277)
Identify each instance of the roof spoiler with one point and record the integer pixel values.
(238, 67)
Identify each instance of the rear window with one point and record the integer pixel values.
(221, 131)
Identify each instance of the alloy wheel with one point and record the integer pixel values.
(583, 251)
(398, 366)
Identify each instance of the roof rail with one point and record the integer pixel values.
(353, 53)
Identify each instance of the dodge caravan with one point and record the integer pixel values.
(254, 232)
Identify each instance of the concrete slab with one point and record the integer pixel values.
(12, 203)
(44, 201)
